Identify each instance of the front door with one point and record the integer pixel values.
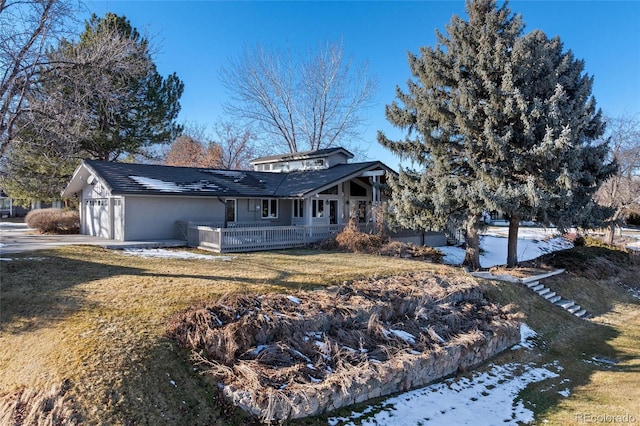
(333, 212)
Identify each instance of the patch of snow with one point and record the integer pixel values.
(157, 184)
(485, 398)
(258, 349)
(167, 186)
(527, 336)
(531, 244)
(565, 392)
(21, 258)
(407, 337)
(13, 225)
(294, 299)
(172, 254)
(634, 292)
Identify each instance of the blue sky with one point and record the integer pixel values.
(195, 38)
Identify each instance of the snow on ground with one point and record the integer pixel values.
(527, 337)
(484, 398)
(532, 243)
(172, 254)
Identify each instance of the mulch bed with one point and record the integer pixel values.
(278, 343)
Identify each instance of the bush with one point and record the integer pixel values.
(411, 251)
(56, 221)
(353, 240)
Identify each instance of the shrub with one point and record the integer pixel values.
(52, 220)
(411, 251)
(352, 239)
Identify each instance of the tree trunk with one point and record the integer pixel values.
(472, 253)
(610, 234)
(512, 244)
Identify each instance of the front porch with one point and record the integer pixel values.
(247, 237)
(255, 238)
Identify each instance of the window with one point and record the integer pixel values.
(298, 208)
(356, 190)
(230, 210)
(317, 208)
(362, 211)
(333, 190)
(269, 209)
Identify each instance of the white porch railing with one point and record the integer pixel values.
(227, 240)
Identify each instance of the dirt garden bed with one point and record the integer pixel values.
(283, 356)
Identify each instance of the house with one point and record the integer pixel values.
(8, 208)
(297, 197)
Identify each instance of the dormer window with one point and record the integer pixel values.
(307, 160)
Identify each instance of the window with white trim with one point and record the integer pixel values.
(317, 208)
(298, 208)
(269, 209)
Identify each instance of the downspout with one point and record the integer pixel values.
(225, 210)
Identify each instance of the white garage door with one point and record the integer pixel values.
(96, 218)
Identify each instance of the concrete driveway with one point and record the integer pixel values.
(19, 238)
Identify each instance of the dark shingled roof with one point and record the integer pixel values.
(128, 178)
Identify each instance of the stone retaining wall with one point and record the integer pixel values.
(374, 379)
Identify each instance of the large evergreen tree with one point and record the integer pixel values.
(122, 110)
(496, 120)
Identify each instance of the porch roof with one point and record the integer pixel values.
(146, 179)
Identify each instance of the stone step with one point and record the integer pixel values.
(564, 303)
(538, 287)
(532, 284)
(581, 313)
(549, 295)
(544, 291)
(555, 299)
(542, 276)
(573, 309)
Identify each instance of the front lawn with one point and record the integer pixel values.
(86, 327)
(83, 332)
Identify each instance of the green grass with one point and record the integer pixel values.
(94, 321)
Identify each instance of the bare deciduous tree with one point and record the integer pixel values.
(299, 102)
(237, 146)
(27, 28)
(622, 191)
(231, 148)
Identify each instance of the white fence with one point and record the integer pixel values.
(227, 240)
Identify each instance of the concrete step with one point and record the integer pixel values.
(542, 276)
(581, 313)
(532, 284)
(573, 309)
(544, 291)
(555, 299)
(538, 287)
(549, 295)
(564, 303)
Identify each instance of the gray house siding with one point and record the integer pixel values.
(149, 218)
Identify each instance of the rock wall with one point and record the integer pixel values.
(374, 379)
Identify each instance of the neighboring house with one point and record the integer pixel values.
(8, 208)
(128, 202)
